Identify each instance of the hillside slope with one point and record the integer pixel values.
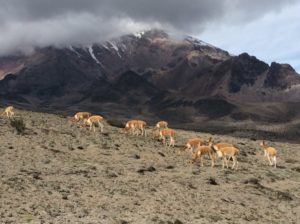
(60, 173)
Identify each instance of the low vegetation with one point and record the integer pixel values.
(18, 124)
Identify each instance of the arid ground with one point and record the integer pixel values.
(57, 172)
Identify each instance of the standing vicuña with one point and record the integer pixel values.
(227, 153)
(270, 153)
(221, 145)
(167, 132)
(200, 151)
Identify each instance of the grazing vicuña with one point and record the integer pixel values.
(80, 116)
(9, 111)
(93, 120)
(135, 127)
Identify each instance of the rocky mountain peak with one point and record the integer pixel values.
(150, 71)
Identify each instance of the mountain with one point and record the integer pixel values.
(154, 75)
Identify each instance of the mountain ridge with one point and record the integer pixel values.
(151, 75)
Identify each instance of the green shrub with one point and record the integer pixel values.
(18, 124)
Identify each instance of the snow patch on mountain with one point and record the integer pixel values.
(115, 47)
(139, 34)
(104, 45)
(91, 51)
(73, 50)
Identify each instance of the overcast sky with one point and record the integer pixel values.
(268, 29)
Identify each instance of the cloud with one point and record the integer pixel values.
(63, 31)
(26, 24)
(273, 37)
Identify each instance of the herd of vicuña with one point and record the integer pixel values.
(196, 146)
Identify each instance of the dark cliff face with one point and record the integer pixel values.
(54, 76)
(244, 71)
(280, 76)
(167, 77)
